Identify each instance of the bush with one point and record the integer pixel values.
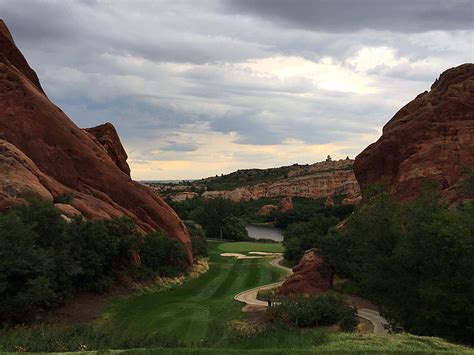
(300, 237)
(198, 240)
(44, 259)
(327, 309)
(414, 261)
(163, 255)
(65, 198)
(78, 338)
(234, 229)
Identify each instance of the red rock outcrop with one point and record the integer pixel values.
(266, 210)
(329, 202)
(309, 276)
(107, 136)
(431, 138)
(285, 205)
(43, 153)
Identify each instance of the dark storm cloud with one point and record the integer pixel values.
(350, 15)
(172, 74)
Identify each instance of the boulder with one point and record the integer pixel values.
(309, 277)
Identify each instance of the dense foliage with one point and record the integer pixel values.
(83, 337)
(198, 240)
(327, 309)
(44, 259)
(305, 209)
(414, 260)
(300, 237)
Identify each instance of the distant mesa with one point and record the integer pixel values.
(317, 180)
(430, 138)
(43, 153)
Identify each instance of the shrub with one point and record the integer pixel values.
(163, 255)
(326, 309)
(198, 240)
(234, 229)
(414, 261)
(65, 198)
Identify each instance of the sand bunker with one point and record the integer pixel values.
(264, 253)
(240, 256)
(261, 254)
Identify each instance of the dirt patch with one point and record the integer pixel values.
(81, 308)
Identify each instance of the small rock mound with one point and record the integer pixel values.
(309, 276)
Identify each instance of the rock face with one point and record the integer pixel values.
(284, 205)
(43, 153)
(314, 181)
(107, 136)
(266, 210)
(309, 277)
(432, 137)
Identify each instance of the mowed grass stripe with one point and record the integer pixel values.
(211, 288)
(253, 274)
(191, 322)
(226, 285)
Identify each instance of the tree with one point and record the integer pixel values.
(300, 237)
(415, 261)
(329, 158)
(162, 254)
(234, 228)
(27, 271)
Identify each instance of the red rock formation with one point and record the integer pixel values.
(107, 136)
(266, 210)
(329, 202)
(309, 276)
(432, 137)
(43, 153)
(312, 181)
(285, 205)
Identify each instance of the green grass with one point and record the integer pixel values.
(199, 310)
(197, 314)
(245, 247)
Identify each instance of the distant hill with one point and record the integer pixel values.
(317, 180)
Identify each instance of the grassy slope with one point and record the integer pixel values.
(198, 311)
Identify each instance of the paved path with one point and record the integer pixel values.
(249, 297)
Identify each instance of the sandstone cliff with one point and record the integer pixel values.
(432, 137)
(43, 153)
(312, 181)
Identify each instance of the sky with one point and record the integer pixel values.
(199, 88)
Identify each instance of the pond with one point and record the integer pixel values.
(267, 232)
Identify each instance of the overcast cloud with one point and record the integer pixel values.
(198, 88)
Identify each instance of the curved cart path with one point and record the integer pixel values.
(249, 297)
